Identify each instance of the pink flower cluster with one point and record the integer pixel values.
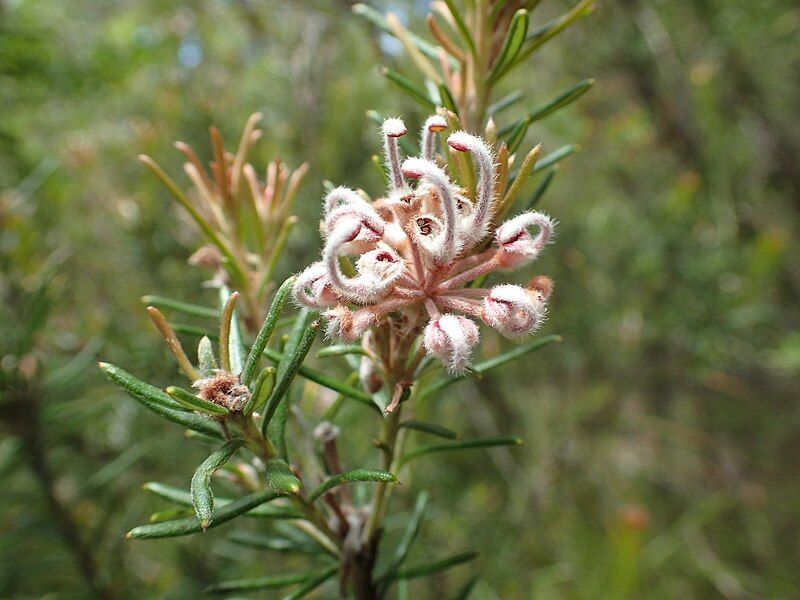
(417, 250)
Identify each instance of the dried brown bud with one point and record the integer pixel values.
(542, 284)
(208, 257)
(223, 389)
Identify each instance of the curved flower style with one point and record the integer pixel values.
(416, 251)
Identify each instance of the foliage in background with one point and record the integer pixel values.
(661, 435)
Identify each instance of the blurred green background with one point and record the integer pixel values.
(662, 436)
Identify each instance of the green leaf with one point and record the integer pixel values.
(487, 365)
(327, 381)
(265, 333)
(447, 98)
(236, 349)
(291, 368)
(280, 477)
(489, 442)
(462, 26)
(341, 350)
(159, 401)
(515, 38)
(313, 584)
(540, 190)
(409, 87)
(193, 402)
(170, 515)
(206, 362)
(273, 543)
(466, 590)
(202, 495)
(261, 391)
(409, 535)
(517, 135)
(184, 498)
(555, 157)
(549, 30)
(431, 428)
(182, 307)
(505, 102)
(350, 477)
(436, 567)
(260, 583)
(191, 525)
(564, 99)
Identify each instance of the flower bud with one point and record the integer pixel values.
(517, 245)
(342, 196)
(462, 141)
(377, 271)
(393, 129)
(451, 338)
(313, 287)
(372, 225)
(433, 125)
(513, 310)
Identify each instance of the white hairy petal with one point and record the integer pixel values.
(451, 338)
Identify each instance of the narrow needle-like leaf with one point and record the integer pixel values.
(436, 567)
(488, 442)
(159, 401)
(352, 476)
(202, 495)
(291, 368)
(487, 365)
(461, 25)
(194, 310)
(313, 584)
(191, 525)
(189, 400)
(341, 350)
(280, 477)
(327, 381)
(265, 333)
(184, 498)
(261, 391)
(409, 87)
(409, 535)
(431, 428)
(225, 332)
(173, 343)
(515, 38)
(259, 583)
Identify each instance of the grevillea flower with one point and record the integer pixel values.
(414, 253)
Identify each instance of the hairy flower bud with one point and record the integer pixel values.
(482, 154)
(313, 287)
(342, 196)
(433, 125)
(513, 310)
(517, 244)
(393, 129)
(451, 338)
